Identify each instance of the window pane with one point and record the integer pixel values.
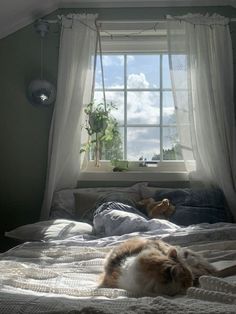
(182, 99)
(117, 99)
(166, 83)
(171, 146)
(168, 109)
(180, 68)
(113, 67)
(143, 142)
(143, 71)
(115, 148)
(179, 64)
(143, 107)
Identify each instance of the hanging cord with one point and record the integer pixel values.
(41, 57)
(101, 61)
(94, 68)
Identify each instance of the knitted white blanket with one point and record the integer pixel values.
(63, 277)
(212, 289)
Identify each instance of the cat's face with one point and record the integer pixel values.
(199, 266)
(157, 209)
(160, 274)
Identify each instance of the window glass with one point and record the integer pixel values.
(166, 82)
(168, 111)
(139, 85)
(180, 64)
(113, 68)
(143, 143)
(143, 71)
(117, 99)
(114, 149)
(171, 147)
(143, 107)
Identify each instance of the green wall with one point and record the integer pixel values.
(24, 128)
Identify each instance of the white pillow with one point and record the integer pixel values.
(56, 229)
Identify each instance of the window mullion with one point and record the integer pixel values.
(161, 110)
(125, 106)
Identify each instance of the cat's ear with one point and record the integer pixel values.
(172, 253)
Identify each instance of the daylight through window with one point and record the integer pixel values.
(139, 85)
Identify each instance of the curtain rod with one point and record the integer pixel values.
(111, 21)
(143, 21)
(124, 21)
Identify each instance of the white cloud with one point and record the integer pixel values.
(137, 81)
(143, 107)
(109, 60)
(143, 142)
(130, 59)
(121, 60)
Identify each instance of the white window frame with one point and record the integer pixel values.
(166, 170)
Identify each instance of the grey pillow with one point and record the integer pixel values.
(87, 200)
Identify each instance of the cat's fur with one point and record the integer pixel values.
(153, 267)
(157, 209)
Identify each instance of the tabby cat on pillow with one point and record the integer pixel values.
(153, 267)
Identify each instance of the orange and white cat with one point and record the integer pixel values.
(153, 267)
(157, 209)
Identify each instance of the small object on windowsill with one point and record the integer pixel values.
(119, 169)
(120, 164)
(143, 161)
(152, 164)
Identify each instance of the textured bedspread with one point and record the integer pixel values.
(63, 276)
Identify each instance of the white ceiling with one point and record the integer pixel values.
(15, 14)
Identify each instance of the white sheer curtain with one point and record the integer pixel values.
(203, 95)
(74, 88)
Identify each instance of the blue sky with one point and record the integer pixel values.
(143, 107)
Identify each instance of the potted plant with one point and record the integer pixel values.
(102, 129)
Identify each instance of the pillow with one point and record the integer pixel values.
(205, 197)
(63, 203)
(195, 206)
(190, 215)
(149, 191)
(64, 200)
(87, 200)
(49, 230)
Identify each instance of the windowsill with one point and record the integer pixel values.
(163, 171)
(134, 176)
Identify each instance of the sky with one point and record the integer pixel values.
(143, 104)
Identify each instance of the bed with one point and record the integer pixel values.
(57, 267)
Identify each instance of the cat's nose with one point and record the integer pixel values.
(166, 201)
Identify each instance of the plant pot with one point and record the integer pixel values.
(97, 124)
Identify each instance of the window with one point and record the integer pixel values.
(139, 85)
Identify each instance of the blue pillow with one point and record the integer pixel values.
(211, 197)
(189, 215)
(195, 206)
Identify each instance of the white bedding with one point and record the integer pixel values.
(62, 276)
